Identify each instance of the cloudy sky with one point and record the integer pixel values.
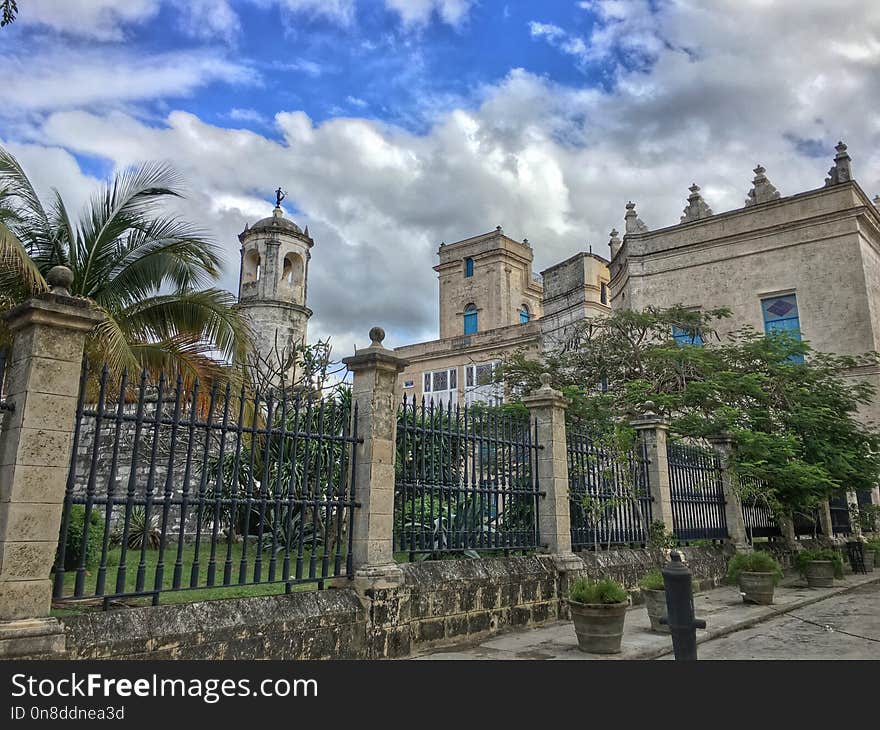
(397, 124)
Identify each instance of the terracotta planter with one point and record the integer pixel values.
(820, 574)
(756, 587)
(655, 602)
(599, 626)
(870, 560)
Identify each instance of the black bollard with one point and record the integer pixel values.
(680, 607)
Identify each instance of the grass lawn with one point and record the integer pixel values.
(201, 593)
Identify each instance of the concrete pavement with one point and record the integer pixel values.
(725, 613)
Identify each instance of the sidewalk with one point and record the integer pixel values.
(722, 608)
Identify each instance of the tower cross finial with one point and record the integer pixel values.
(279, 196)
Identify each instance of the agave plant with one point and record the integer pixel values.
(149, 272)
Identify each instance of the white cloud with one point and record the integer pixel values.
(207, 19)
(102, 20)
(247, 115)
(337, 11)
(61, 76)
(420, 12)
(357, 101)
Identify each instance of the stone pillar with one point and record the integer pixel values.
(736, 526)
(375, 370)
(547, 406)
(653, 430)
(875, 492)
(36, 436)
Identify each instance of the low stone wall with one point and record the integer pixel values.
(314, 625)
(441, 603)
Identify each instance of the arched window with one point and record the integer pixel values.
(524, 314)
(470, 319)
(252, 267)
(468, 267)
(292, 272)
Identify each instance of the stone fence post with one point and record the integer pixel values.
(547, 406)
(855, 526)
(375, 371)
(736, 524)
(653, 430)
(36, 434)
(825, 522)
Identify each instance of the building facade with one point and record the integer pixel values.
(808, 263)
(272, 290)
(491, 305)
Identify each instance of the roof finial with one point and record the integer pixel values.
(877, 200)
(841, 172)
(696, 207)
(763, 191)
(279, 196)
(614, 242)
(634, 224)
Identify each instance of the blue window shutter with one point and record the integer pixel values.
(470, 322)
(683, 336)
(468, 267)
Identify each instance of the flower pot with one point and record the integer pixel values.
(655, 602)
(870, 559)
(599, 626)
(756, 587)
(820, 574)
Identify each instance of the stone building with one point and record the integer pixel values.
(491, 304)
(808, 263)
(273, 284)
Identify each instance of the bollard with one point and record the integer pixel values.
(680, 607)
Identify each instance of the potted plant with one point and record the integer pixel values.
(598, 610)
(654, 591)
(820, 567)
(757, 574)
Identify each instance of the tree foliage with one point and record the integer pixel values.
(796, 425)
(149, 272)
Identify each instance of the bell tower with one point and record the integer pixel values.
(272, 286)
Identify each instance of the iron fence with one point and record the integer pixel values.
(696, 492)
(757, 515)
(610, 501)
(173, 489)
(466, 481)
(4, 355)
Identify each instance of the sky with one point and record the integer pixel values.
(394, 125)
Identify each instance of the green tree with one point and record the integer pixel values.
(8, 9)
(796, 425)
(149, 272)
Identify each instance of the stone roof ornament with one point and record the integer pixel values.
(763, 191)
(877, 201)
(696, 209)
(634, 224)
(614, 242)
(60, 279)
(526, 242)
(841, 172)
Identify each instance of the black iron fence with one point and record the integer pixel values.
(466, 481)
(697, 493)
(4, 356)
(174, 489)
(610, 502)
(757, 515)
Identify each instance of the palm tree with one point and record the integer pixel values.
(147, 271)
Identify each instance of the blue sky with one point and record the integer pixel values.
(397, 124)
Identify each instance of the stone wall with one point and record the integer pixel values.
(441, 603)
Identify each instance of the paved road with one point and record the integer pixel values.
(787, 637)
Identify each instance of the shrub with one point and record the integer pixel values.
(652, 581)
(601, 591)
(873, 544)
(754, 562)
(807, 556)
(73, 548)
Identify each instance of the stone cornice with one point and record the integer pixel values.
(56, 310)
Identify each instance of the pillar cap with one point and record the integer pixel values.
(376, 355)
(55, 309)
(546, 395)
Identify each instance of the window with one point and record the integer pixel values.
(408, 383)
(781, 315)
(603, 293)
(524, 314)
(684, 336)
(468, 267)
(470, 319)
(480, 385)
(441, 386)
